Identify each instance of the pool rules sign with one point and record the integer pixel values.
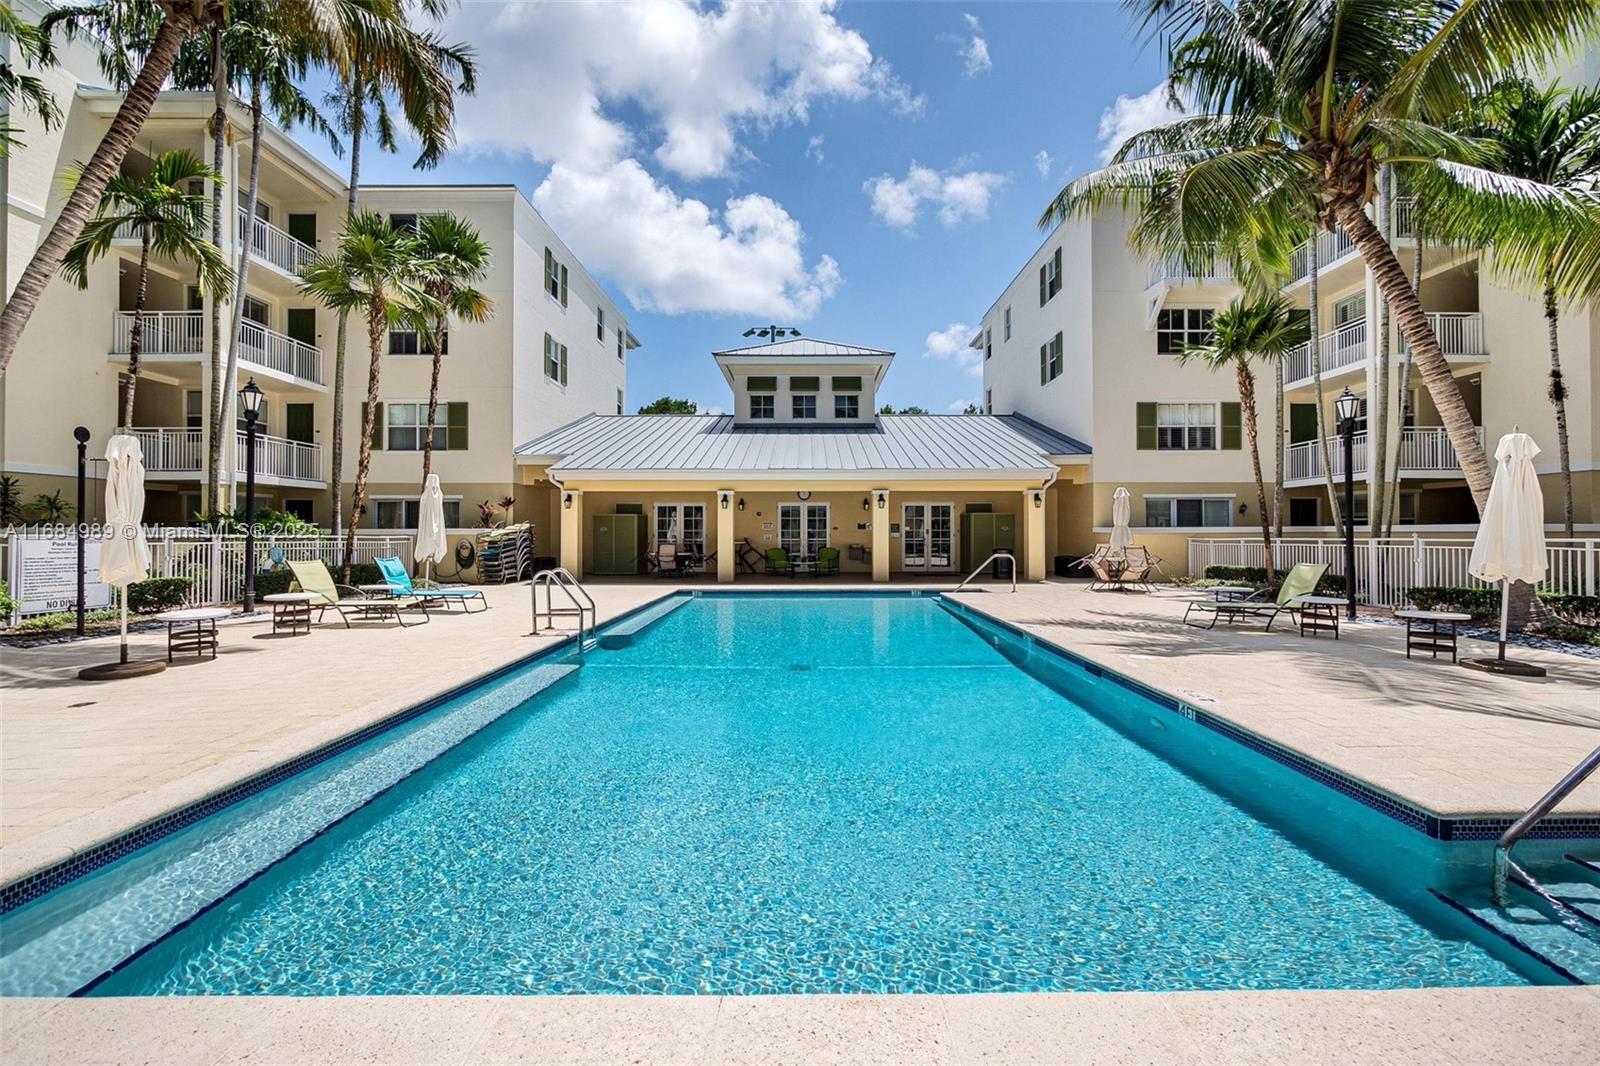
(45, 574)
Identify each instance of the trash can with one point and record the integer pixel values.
(1063, 566)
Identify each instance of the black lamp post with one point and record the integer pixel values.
(250, 401)
(1346, 407)
(81, 435)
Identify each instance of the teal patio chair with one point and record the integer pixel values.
(402, 584)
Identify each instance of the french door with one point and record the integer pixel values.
(683, 524)
(927, 536)
(802, 527)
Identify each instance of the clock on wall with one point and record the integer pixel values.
(803, 495)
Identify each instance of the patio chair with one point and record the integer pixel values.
(1141, 564)
(778, 561)
(827, 561)
(667, 560)
(313, 577)
(1095, 562)
(747, 556)
(402, 584)
(1302, 580)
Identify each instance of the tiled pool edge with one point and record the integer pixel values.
(30, 886)
(1430, 823)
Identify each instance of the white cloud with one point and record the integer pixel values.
(958, 196)
(1041, 163)
(957, 407)
(675, 254)
(975, 53)
(1134, 114)
(814, 148)
(950, 345)
(679, 87)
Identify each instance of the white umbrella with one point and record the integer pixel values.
(124, 553)
(431, 546)
(1510, 542)
(1121, 535)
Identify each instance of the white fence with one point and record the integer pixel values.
(1387, 569)
(160, 332)
(1423, 450)
(215, 565)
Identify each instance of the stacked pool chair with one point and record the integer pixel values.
(505, 555)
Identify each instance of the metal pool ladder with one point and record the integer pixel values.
(582, 603)
(1504, 865)
(981, 566)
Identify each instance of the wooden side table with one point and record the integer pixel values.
(1319, 614)
(1432, 631)
(290, 611)
(201, 639)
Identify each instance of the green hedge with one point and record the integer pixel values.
(271, 582)
(158, 594)
(1484, 603)
(1574, 610)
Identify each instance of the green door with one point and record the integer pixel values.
(301, 324)
(300, 422)
(303, 228)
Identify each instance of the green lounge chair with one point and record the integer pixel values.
(827, 561)
(402, 584)
(313, 577)
(1300, 581)
(778, 561)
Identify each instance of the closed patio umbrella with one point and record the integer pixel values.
(1121, 535)
(431, 547)
(124, 553)
(1510, 542)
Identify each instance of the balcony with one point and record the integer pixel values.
(273, 246)
(181, 336)
(1460, 334)
(176, 451)
(1425, 451)
(1171, 271)
(1339, 350)
(1336, 245)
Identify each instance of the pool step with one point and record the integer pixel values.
(624, 632)
(128, 906)
(1568, 945)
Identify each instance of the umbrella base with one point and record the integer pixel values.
(111, 671)
(1504, 666)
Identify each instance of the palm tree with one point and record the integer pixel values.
(1549, 138)
(1299, 102)
(417, 71)
(169, 220)
(178, 19)
(1262, 328)
(25, 91)
(454, 257)
(373, 269)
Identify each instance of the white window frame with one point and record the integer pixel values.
(771, 406)
(805, 510)
(988, 343)
(600, 324)
(403, 501)
(1348, 309)
(853, 398)
(680, 523)
(796, 401)
(1190, 407)
(441, 429)
(1008, 325)
(619, 402)
(1172, 499)
(1055, 359)
(555, 360)
(1185, 334)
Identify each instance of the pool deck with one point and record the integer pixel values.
(81, 763)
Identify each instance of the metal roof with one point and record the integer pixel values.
(807, 346)
(967, 445)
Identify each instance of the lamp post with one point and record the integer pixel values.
(1346, 407)
(81, 435)
(250, 401)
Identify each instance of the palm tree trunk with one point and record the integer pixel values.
(1379, 407)
(248, 243)
(377, 329)
(433, 402)
(1425, 353)
(1315, 352)
(357, 120)
(1404, 399)
(180, 20)
(136, 334)
(1247, 408)
(1277, 452)
(1558, 397)
(220, 386)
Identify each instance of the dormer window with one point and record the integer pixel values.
(847, 406)
(762, 406)
(804, 406)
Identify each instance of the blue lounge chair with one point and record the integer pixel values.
(401, 584)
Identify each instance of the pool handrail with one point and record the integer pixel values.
(981, 566)
(561, 577)
(1504, 866)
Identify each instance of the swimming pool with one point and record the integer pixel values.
(779, 794)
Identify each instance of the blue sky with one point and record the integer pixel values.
(723, 168)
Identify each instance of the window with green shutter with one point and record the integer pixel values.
(1145, 421)
(455, 418)
(1232, 428)
(805, 384)
(768, 384)
(563, 364)
(847, 384)
(377, 425)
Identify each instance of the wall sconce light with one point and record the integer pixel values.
(722, 499)
(566, 501)
(883, 500)
(741, 503)
(866, 503)
(1243, 507)
(1038, 499)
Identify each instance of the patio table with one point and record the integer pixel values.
(1318, 614)
(201, 639)
(1426, 631)
(291, 611)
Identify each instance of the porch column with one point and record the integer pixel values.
(572, 530)
(1032, 561)
(725, 558)
(880, 534)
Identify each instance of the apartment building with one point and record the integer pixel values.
(555, 348)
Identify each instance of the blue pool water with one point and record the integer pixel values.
(765, 794)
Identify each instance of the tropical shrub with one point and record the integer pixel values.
(1570, 633)
(1573, 610)
(1249, 575)
(272, 582)
(1478, 602)
(158, 594)
(7, 603)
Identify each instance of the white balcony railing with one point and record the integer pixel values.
(1345, 346)
(161, 333)
(276, 351)
(281, 458)
(1170, 270)
(273, 245)
(1332, 245)
(1403, 225)
(1460, 333)
(169, 449)
(1423, 450)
